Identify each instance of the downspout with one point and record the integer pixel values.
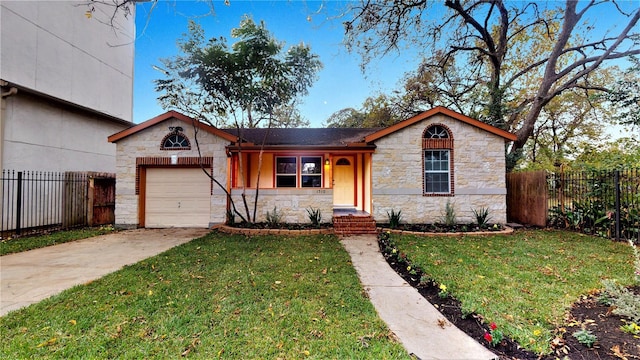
(12, 91)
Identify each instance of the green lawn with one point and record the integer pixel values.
(220, 296)
(524, 282)
(20, 244)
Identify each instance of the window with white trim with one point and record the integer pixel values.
(436, 171)
(437, 155)
(175, 140)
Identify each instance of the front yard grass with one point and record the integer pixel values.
(220, 296)
(15, 245)
(525, 282)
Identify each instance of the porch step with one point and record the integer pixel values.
(351, 225)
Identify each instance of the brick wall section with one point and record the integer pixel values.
(147, 144)
(479, 168)
(351, 225)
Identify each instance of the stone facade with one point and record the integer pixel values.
(478, 170)
(147, 144)
(292, 204)
(389, 178)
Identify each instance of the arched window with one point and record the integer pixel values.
(437, 156)
(175, 140)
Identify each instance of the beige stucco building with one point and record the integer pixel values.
(416, 166)
(67, 83)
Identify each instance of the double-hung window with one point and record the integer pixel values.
(436, 171)
(437, 146)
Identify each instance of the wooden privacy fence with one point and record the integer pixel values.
(527, 198)
(38, 201)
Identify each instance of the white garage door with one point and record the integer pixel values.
(177, 198)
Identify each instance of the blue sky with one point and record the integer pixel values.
(340, 84)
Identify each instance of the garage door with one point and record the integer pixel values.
(177, 198)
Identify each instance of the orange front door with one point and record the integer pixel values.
(343, 181)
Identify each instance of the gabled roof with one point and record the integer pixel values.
(435, 111)
(171, 115)
(318, 137)
(310, 137)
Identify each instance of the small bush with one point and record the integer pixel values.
(482, 216)
(274, 218)
(449, 217)
(585, 337)
(315, 216)
(626, 303)
(394, 218)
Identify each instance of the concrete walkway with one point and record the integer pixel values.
(31, 276)
(415, 322)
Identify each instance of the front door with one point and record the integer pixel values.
(344, 181)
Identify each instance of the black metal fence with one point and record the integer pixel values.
(34, 201)
(606, 203)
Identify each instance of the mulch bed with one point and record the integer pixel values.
(281, 226)
(612, 343)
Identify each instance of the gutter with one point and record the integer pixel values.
(36, 93)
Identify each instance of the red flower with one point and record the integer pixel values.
(493, 326)
(488, 337)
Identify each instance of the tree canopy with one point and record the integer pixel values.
(246, 84)
(502, 62)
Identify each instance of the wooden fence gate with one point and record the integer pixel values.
(527, 198)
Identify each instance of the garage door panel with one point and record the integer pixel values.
(177, 198)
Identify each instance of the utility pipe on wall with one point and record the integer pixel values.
(12, 91)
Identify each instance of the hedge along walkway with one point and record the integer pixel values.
(31, 276)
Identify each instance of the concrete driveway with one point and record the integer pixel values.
(31, 276)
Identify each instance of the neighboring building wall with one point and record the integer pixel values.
(146, 143)
(74, 80)
(53, 48)
(479, 174)
(292, 204)
(41, 135)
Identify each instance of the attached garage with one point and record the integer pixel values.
(177, 197)
(159, 177)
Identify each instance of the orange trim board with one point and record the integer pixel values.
(435, 111)
(166, 116)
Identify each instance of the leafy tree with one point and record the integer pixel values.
(518, 56)
(245, 84)
(625, 95)
(618, 154)
(251, 83)
(379, 111)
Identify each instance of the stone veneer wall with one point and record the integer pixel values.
(479, 174)
(292, 203)
(146, 143)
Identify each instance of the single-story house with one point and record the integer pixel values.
(416, 166)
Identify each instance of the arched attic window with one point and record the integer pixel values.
(175, 140)
(437, 161)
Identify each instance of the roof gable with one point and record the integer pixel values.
(171, 115)
(435, 111)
